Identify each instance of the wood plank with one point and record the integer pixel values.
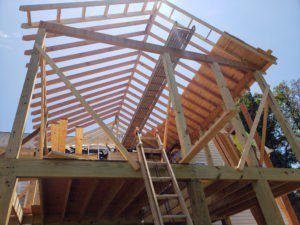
(209, 134)
(7, 184)
(62, 134)
(128, 43)
(90, 192)
(66, 199)
(54, 136)
(290, 135)
(79, 140)
(15, 139)
(264, 194)
(253, 129)
(286, 207)
(200, 213)
(112, 193)
(184, 138)
(88, 108)
(61, 168)
(68, 5)
(267, 203)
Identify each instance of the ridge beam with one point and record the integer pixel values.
(139, 45)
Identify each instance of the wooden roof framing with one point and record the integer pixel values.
(112, 78)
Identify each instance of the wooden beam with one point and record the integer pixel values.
(112, 193)
(200, 213)
(181, 126)
(286, 128)
(88, 108)
(212, 131)
(54, 137)
(43, 117)
(15, 139)
(68, 5)
(79, 139)
(61, 168)
(30, 136)
(249, 141)
(90, 192)
(261, 188)
(267, 203)
(66, 199)
(62, 134)
(8, 184)
(128, 43)
(286, 207)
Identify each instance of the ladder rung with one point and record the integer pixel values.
(180, 216)
(155, 179)
(153, 163)
(149, 138)
(166, 196)
(152, 150)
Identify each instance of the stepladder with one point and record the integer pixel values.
(160, 181)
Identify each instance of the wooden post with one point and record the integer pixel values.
(54, 137)
(43, 125)
(286, 128)
(262, 189)
(167, 124)
(8, 183)
(79, 139)
(62, 135)
(183, 135)
(200, 213)
(89, 109)
(284, 202)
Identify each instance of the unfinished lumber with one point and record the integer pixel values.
(284, 202)
(253, 129)
(291, 137)
(181, 126)
(261, 188)
(54, 136)
(78, 140)
(84, 103)
(209, 134)
(200, 213)
(62, 134)
(128, 43)
(15, 140)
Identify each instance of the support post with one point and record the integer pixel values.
(183, 135)
(79, 138)
(43, 126)
(88, 108)
(286, 128)
(262, 189)
(200, 213)
(54, 136)
(8, 183)
(62, 135)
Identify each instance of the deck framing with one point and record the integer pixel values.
(226, 74)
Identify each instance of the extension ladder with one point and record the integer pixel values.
(149, 180)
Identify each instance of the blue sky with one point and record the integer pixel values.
(268, 24)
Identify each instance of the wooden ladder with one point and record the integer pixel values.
(149, 180)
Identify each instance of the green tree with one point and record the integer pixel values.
(287, 95)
